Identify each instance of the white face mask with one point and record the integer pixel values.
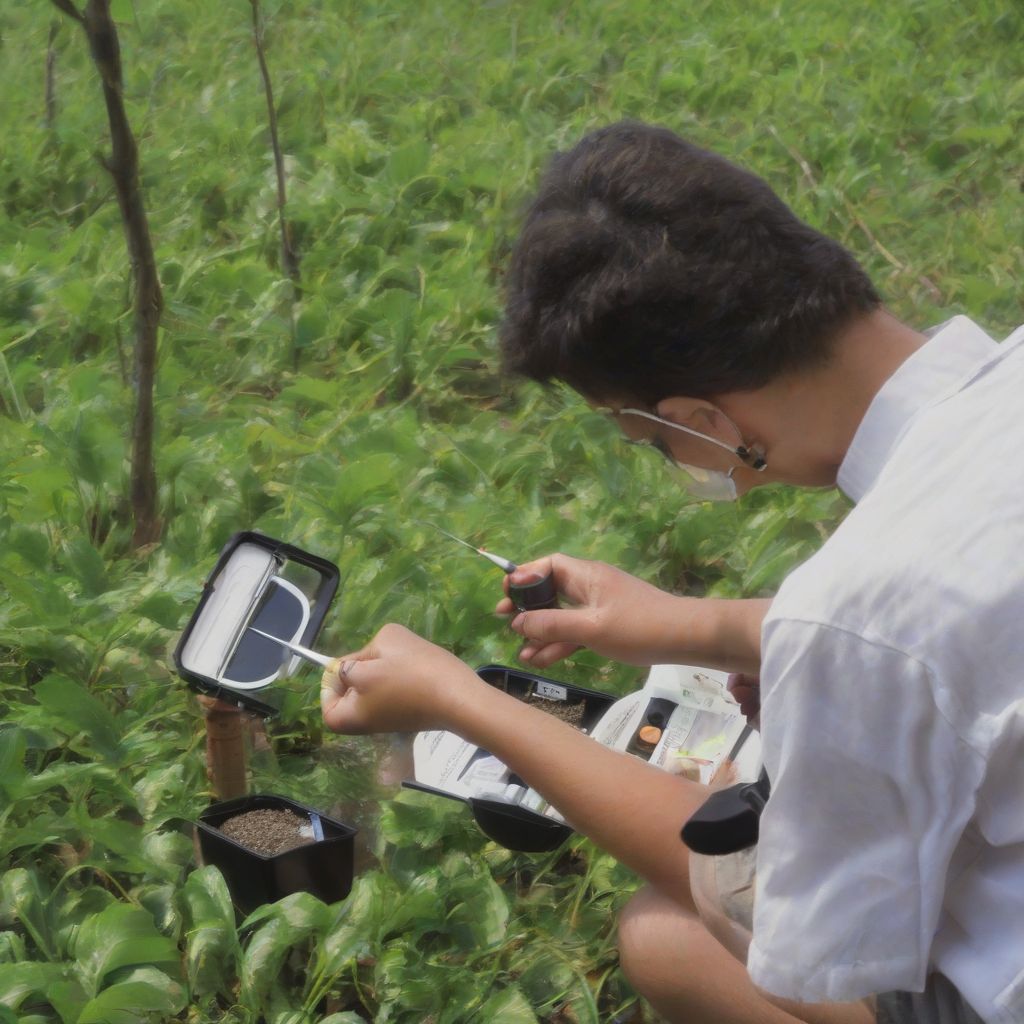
(707, 484)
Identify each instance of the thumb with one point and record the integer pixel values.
(339, 693)
(555, 625)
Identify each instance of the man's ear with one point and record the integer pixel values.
(698, 414)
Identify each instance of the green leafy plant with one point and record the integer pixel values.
(412, 136)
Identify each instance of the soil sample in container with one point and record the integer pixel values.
(269, 830)
(567, 711)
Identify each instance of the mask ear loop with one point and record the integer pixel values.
(749, 456)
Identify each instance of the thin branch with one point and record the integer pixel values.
(69, 9)
(289, 254)
(51, 69)
(289, 257)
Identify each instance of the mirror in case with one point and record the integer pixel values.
(260, 584)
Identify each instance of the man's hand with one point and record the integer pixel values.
(746, 691)
(618, 616)
(613, 613)
(398, 682)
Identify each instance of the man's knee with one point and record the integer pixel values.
(651, 929)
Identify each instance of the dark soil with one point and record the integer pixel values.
(269, 830)
(567, 711)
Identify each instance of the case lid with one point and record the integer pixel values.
(261, 582)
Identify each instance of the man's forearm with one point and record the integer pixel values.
(626, 806)
(715, 633)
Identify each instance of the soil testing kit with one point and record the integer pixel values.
(259, 613)
(257, 619)
(683, 721)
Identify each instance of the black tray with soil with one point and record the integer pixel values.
(268, 847)
(514, 827)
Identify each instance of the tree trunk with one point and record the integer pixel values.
(123, 167)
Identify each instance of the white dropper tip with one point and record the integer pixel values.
(501, 563)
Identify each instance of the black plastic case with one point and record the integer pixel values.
(323, 867)
(319, 602)
(509, 825)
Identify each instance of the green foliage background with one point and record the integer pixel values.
(414, 134)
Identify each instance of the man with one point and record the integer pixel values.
(678, 293)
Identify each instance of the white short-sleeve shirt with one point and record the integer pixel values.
(892, 692)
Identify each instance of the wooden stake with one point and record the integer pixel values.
(226, 754)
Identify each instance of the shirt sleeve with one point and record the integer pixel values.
(871, 790)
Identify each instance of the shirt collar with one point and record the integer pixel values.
(952, 353)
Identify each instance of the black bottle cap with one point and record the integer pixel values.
(534, 594)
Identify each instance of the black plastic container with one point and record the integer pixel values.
(323, 867)
(271, 598)
(514, 827)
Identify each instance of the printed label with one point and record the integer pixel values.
(551, 691)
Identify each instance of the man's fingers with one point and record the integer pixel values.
(528, 570)
(342, 713)
(541, 657)
(555, 625)
(341, 675)
(341, 698)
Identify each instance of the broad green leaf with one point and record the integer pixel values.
(161, 901)
(162, 609)
(117, 845)
(121, 936)
(213, 954)
(266, 950)
(420, 902)
(87, 565)
(357, 481)
(42, 597)
(159, 788)
(546, 979)
(507, 1006)
(19, 981)
(74, 709)
(169, 853)
(22, 900)
(12, 760)
(32, 544)
(74, 909)
(317, 392)
(129, 1002)
(301, 910)
(408, 161)
(12, 948)
(481, 920)
(341, 945)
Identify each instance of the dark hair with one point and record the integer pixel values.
(649, 267)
